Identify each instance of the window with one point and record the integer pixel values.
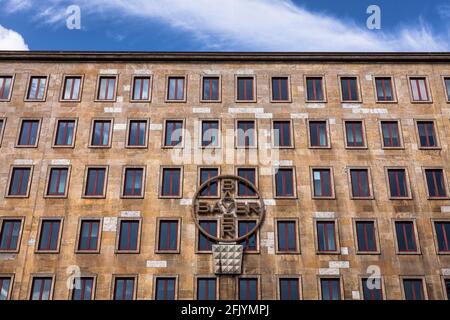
(176, 89)
(168, 236)
(442, 229)
(245, 89)
(246, 133)
(436, 183)
(173, 134)
(107, 88)
(133, 185)
(211, 89)
(85, 290)
(354, 134)
(326, 236)
(372, 289)
(315, 89)
(287, 236)
(65, 133)
(95, 182)
(360, 183)
(206, 288)
(28, 135)
(419, 89)
(171, 182)
(5, 288)
(413, 289)
(248, 289)
(398, 185)
(366, 237)
(289, 289)
(19, 182)
(205, 243)
(49, 235)
(250, 242)
(165, 288)
(282, 134)
(322, 183)
(6, 83)
(101, 133)
(349, 87)
(10, 235)
(280, 89)
(284, 182)
(384, 89)
(427, 134)
(72, 88)
(124, 288)
(141, 88)
(210, 133)
(447, 87)
(318, 135)
(2, 127)
(128, 236)
(36, 88)
(391, 134)
(89, 236)
(330, 288)
(58, 179)
(249, 174)
(447, 288)
(211, 190)
(137, 133)
(41, 288)
(406, 238)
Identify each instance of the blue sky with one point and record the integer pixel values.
(225, 25)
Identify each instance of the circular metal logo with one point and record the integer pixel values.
(228, 206)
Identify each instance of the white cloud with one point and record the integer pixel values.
(11, 40)
(18, 5)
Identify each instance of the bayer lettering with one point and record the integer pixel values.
(241, 208)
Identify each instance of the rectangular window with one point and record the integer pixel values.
(372, 289)
(318, 136)
(427, 134)
(248, 289)
(107, 88)
(133, 185)
(210, 133)
(173, 135)
(89, 235)
(65, 133)
(447, 288)
(28, 134)
(171, 182)
(72, 88)
(141, 89)
(398, 185)
(245, 88)
(349, 87)
(284, 182)
(314, 89)
(384, 88)
(206, 288)
(366, 237)
(5, 288)
(330, 288)
(165, 288)
(442, 229)
(85, 291)
(129, 235)
(354, 134)
(326, 236)
(5, 87)
(249, 243)
(246, 133)
(282, 134)
(2, 126)
(49, 235)
(322, 183)
(360, 183)
(406, 238)
(249, 174)
(10, 235)
(137, 133)
(413, 289)
(41, 288)
(95, 182)
(124, 288)
(289, 289)
(280, 89)
(19, 183)
(211, 89)
(101, 133)
(175, 90)
(211, 190)
(205, 243)
(36, 88)
(57, 181)
(436, 183)
(447, 87)
(168, 235)
(391, 134)
(287, 236)
(419, 89)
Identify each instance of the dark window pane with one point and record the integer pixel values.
(176, 88)
(141, 88)
(391, 136)
(245, 227)
(413, 289)
(72, 86)
(168, 235)
(289, 289)
(246, 133)
(397, 182)
(171, 183)
(326, 237)
(435, 183)
(447, 288)
(245, 89)
(314, 89)
(322, 183)
(248, 289)
(5, 87)
(318, 133)
(50, 230)
(287, 236)
(36, 90)
(447, 88)
(360, 183)
(427, 134)
(211, 189)
(174, 133)
(248, 174)
(365, 232)
(354, 133)
(107, 88)
(280, 89)
(5, 285)
(165, 289)
(372, 289)
(349, 89)
(282, 133)
(406, 240)
(95, 181)
(128, 239)
(206, 289)
(58, 181)
(85, 289)
(284, 181)
(89, 235)
(204, 243)
(331, 289)
(65, 133)
(29, 133)
(9, 235)
(133, 185)
(124, 289)
(210, 133)
(443, 236)
(19, 181)
(384, 89)
(40, 289)
(137, 133)
(210, 88)
(101, 133)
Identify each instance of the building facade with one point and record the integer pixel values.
(102, 153)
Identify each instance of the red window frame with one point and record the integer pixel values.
(39, 79)
(95, 171)
(206, 289)
(290, 284)
(247, 287)
(107, 81)
(246, 242)
(384, 81)
(171, 192)
(280, 143)
(102, 124)
(172, 126)
(434, 173)
(415, 81)
(277, 82)
(209, 170)
(315, 89)
(134, 174)
(284, 185)
(83, 289)
(28, 138)
(65, 125)
(175, 96)
(41, 292)
(124, 287)
(129, 223)
(164, 281)
(314, 127)
(60, 170)
(405, 236)
(139, 124)
(444, 234)
(169, 235)
(325, 224)
(90, 224)
(211, 91)
(244, 173)
(353, 124)
(208, 127)
(359, 183)
(140, 96)
(413, 288)
(8, 290)
(72, 87)
(286, 234)
(54, 223)
(3, 80)
(426, 126)
(245, 89)
(349, 90)
(10, 234)
(207, 244)
(391, 127)
(247, 125)
(397, 182)
(21, 171)
(366, 237)
(329, 193)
